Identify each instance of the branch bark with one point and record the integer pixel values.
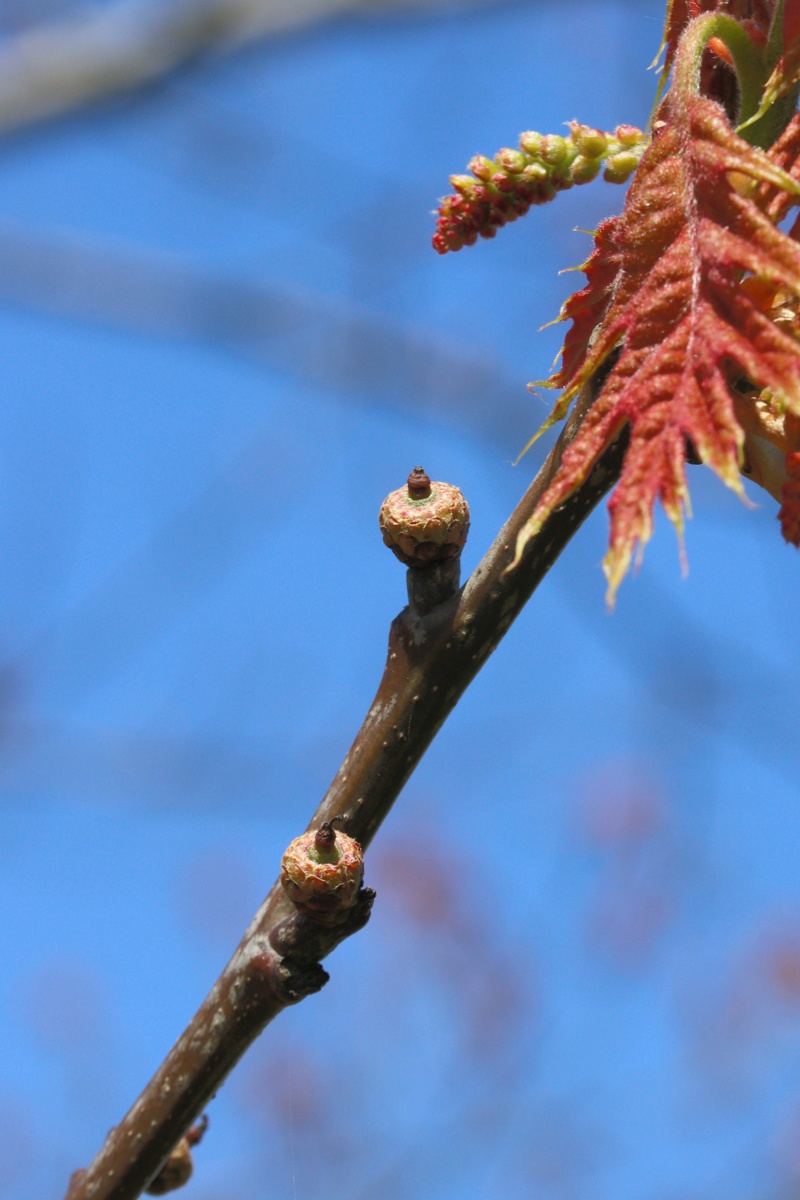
(431, 660)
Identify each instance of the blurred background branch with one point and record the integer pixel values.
(320, 338)
(58, 65)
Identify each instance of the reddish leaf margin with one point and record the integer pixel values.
(690, 232)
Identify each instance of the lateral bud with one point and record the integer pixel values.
(177, 1169)
(321, 872)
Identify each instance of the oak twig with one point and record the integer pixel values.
(433, 655)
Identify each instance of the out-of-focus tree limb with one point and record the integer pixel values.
(59, 66)
(314, 336)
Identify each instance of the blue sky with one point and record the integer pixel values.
(225, 337)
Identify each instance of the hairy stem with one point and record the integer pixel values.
(433, 656)
(749, 60)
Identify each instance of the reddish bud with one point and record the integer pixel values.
(419, 484)
(629, 135)
(620, 167)
(176, 1171)
(591, 143)
(424, 529)
(535, 172)
(463, 184)
(584, 170)
(553, 149)
(502, 182)
(530, 143)
(482, 168)
(178, 1167)
(561, 180)
(511, 160)
(321, 872)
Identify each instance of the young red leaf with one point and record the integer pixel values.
(789, 514)
(785, 153)
(685, 324)
(791, 25)
(587, 307)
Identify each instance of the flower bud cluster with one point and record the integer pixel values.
(504, 188)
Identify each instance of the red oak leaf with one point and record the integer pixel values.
(690, 232)
(785, 153)
(587, 307)
(789, 514)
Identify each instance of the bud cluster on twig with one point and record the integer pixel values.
(504, 188)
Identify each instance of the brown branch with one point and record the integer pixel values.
(431, 660)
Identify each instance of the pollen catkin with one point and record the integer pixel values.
(501, 189)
